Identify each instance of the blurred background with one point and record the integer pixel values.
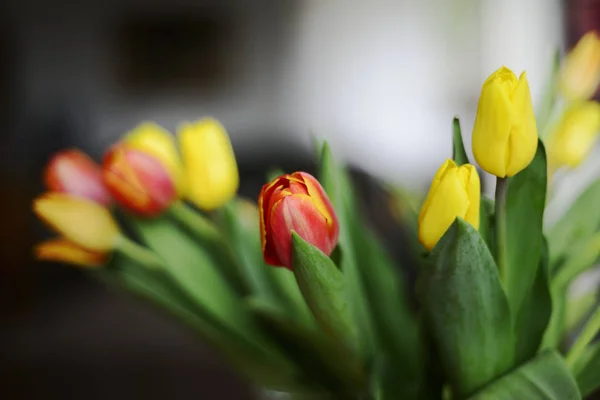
(381, 80)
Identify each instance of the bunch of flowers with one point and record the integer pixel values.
(301, 296)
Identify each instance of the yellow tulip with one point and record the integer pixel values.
(580, 74)
(209, 163)
(454, 192)
(82, 221)
(160, 144)
(574, 135)
(505, 133)
(62, 250)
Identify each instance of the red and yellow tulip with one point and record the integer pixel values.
(295, 202)
(138, 181)
(73, 172)
(65, 251)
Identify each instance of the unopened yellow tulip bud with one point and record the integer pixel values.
(454, 192)
(575, 134)
(159, 143)
(580, 74)
(82, 221)
(65, 251)
(209, 163)
(505, 133)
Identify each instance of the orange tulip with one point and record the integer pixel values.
(73, 172)
(138, 181)
(295, 202)
(62, 250)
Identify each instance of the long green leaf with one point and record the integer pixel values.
(577, 225)
(336, 183)
(578, 259)
(324, 362)
(324, 287)
(556, 327)
(487, 224)
(587, 370)
(525, 203)
(467, 310)
(534, 316)
(544, 378)
(458, 148)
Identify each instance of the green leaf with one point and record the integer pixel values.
(556, 327)
(587, 370)
(336, 183)
(534, 316)
(544, 378)
(466, 310)
(324, 288)
(487, 226)
(578, 259)
(578, 309)
(459, 155)
(194, 270)
(525, 203)
(275, 285)
(546, 106)
(325, 363)
(274, 173)
(577, 225)
(157, 287)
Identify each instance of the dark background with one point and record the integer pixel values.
(63, 335)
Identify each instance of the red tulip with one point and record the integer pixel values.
(295, 202)
(73, 172)
(138, 181)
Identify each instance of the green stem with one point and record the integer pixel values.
(138, 253)
(500, 205)
(194, 221)
(587, 334)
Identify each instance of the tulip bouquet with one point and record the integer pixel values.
(297, 291)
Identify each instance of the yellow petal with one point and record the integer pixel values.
(493, 122)
(153, 139)
(523, 138)
(580, 74)
(445, 202)
(209, 162)
(448, 164)
(82, 221)
(473, 188)
(62, 250)
(575, 134)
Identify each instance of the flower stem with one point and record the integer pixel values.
(588, 333)
(139, 254)
(195, 222)
(500, 211)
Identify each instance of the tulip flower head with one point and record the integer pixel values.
(295, 202)
(574, 135)
(62, 250)
(152, 139)
(83, 222)
(505, 133)
(73, 172)
(454, 192)
(580, 74)
(209, 162)
(138, 181)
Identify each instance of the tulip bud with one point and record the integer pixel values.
(505, 133)
(81, 221)
(295, 202)
(138, 181)
(73, 172)
(580, 74)
(65, 251)
(159, 143)
(209, 162)
(454, 192)
(575, 134)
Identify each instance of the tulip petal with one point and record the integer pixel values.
(82, 221)
(523, 138)
(321, 201)
(448, 164)
(448, 201)
(62, 250)
(298, 213)
(473, 187)
(581, 71)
